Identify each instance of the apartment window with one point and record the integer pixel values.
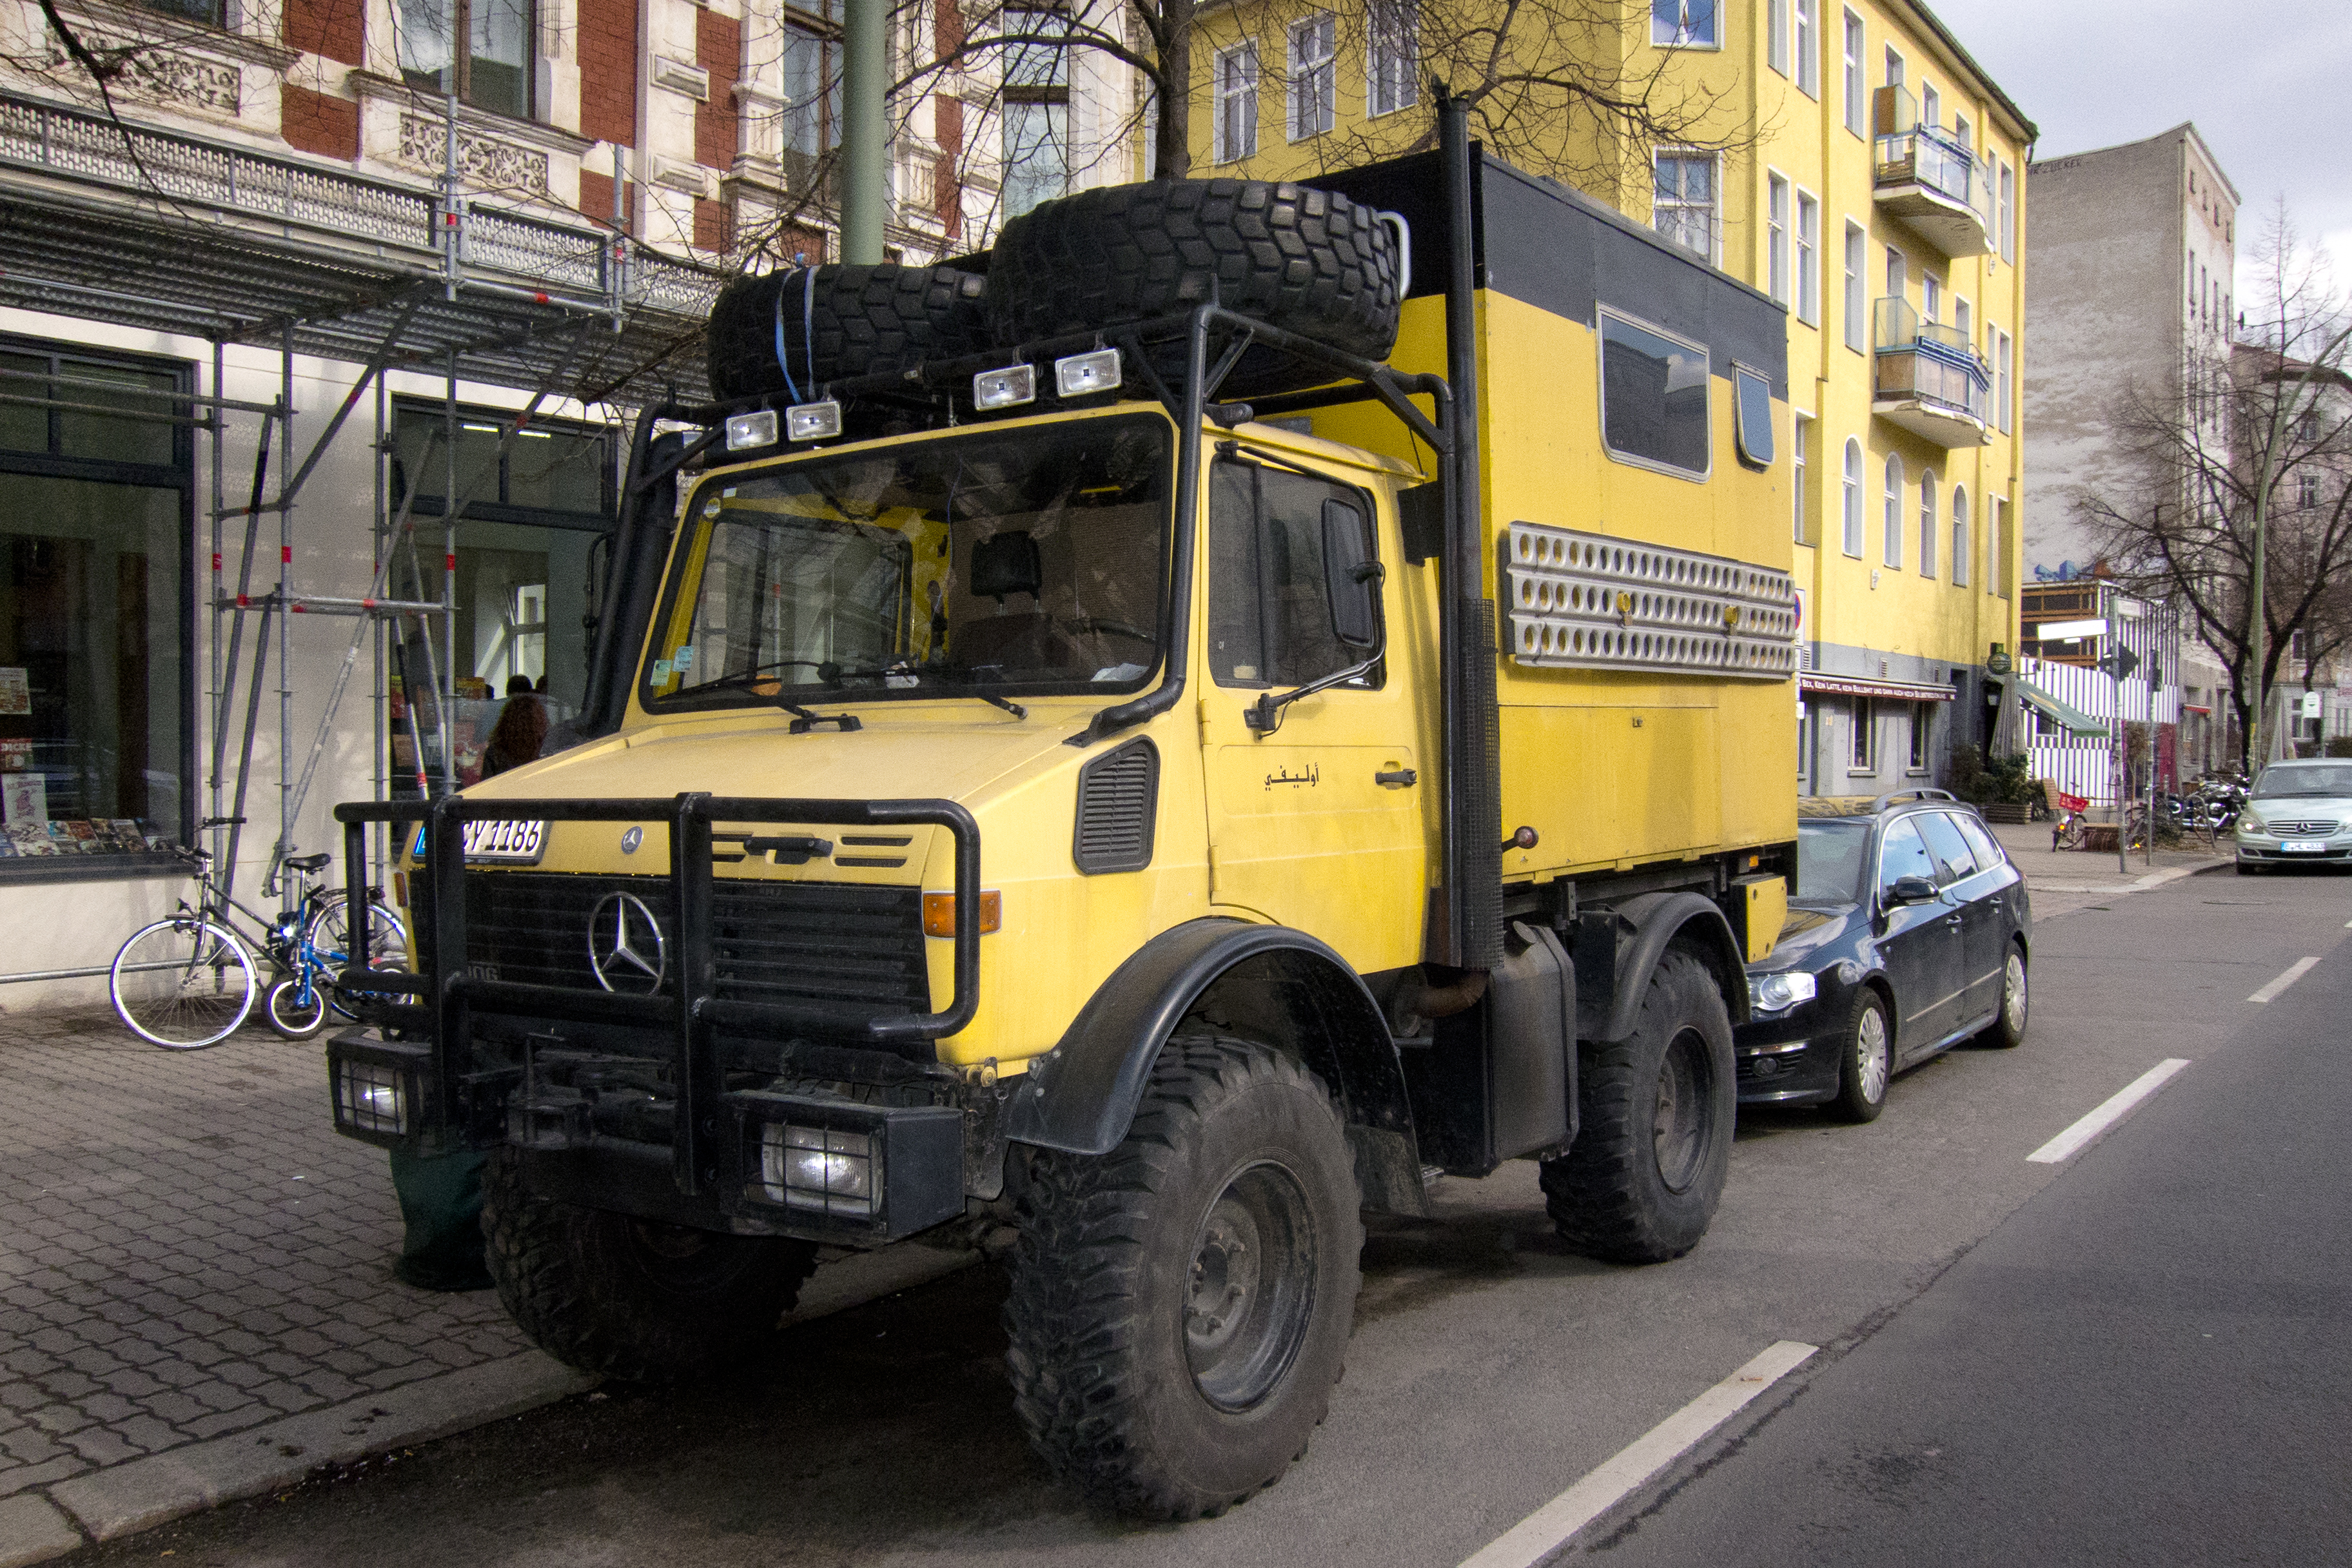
(1809, 51)
(1996, 543)
(1897, 270)
(1922, 728)
(1931, 296)
(1808, 260)
(1857, 109)
(1036, 112)
(1776, 42)
(1862, 753)
(494, 69)
(1392, 52)
(1931, 522)
(1963, 319)
(2004, 351)
(2306, 490)
(1236, 127)
(1684, 206)
(1931, 105)
(1314, 75)
(1960, 554)
(1776, 231)
(1857, 292)
(1961, 134)
(96, 629)
(1892, 554)
(811, 117)
(1850, 500)
(1687, 24)
(2008, 219)
(1893, 68)
(1800, 436)
(2306, 424)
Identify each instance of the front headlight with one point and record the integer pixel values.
(818, 1168)
(1780, 991)
(2251, 826)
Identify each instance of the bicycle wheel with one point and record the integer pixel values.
(295, 1011)
(182, 982)
(330, 936)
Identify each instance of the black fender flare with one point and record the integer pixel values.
(1655, 920)
(1081, 1096)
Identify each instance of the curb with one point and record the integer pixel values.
(141, 1494)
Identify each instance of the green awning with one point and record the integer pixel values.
(2073, 720)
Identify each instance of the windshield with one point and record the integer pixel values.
(2279, 783)
(1028, 559)
(1829, 857)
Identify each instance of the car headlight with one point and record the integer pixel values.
(1780, 991)
(2251, 824)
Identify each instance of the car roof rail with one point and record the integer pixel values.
(1882, 803)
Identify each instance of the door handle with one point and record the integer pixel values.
(1402, 778)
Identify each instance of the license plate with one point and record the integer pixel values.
(505, 843)
(2300, 845)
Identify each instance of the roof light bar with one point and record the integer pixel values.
(1007, 388)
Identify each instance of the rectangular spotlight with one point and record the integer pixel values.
(1081, 375)
(746, 431)
(812, 421)
(1006, 388)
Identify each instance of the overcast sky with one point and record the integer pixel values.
(2267, 84)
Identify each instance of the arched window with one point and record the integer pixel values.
(1930, 523)
(1961, 555)
(1894, 510)
(1852, 515)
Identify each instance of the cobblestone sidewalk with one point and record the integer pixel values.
(188, 1250)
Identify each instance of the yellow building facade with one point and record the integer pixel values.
(1853, 163)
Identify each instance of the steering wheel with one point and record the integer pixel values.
(1085, 624)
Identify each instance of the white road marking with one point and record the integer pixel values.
(1551, 1527)
(2294, 972)
(2070, 1143)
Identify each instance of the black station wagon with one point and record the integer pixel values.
(1907, 933)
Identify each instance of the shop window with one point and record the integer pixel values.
(1863, 758)
(95, 619)
(530, 549)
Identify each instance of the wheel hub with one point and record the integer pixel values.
(1249, 1289)
(1872, 1050)
(1681, 1134)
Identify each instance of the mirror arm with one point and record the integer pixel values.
(1264, 715)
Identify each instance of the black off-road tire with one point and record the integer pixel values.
(1307, 261)
(867, 320)
(1629, 1190)
(1118, 1358)
(1862, 1091)
(630, 1300)
(2008, 1029)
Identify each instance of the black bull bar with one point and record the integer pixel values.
(450, 997)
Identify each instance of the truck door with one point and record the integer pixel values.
(1317, 823)
(1920, 944)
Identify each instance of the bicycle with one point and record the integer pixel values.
(187, 981)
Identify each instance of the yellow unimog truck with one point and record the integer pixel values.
(1165, 737)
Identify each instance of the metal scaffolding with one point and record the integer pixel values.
(152, 228)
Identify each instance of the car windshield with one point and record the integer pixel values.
(1022, 561)
(1829, 857)
(2331, 779)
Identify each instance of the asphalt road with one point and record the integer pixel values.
(2013, 1365)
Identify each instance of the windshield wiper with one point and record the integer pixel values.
(804, 720)
(743, 676)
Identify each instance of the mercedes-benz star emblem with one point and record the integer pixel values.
(631, 839)
(624, 945)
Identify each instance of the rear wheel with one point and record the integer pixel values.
(182, 982)
(631, 1298)
(2008, 1030)
(1868, 1060)
(1640, 1183)
(1180, 1306)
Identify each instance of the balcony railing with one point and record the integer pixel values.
(1929, 364)
(1930, 156)
(1929, 178)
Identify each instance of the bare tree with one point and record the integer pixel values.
(2243, 512)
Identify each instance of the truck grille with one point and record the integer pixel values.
(827, 943)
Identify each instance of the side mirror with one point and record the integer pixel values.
(1912, 890)
(1349, 574)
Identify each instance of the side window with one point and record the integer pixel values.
(1987, 849)
(1954, 859)
(1653, 391)
(1291, 598)
(1903, 853)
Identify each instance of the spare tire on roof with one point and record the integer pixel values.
(840, 321)
(1309, 261)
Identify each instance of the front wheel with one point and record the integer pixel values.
(632, 1298)
(330, 936)
(294, 1010)
(2008, 1031)
(182, 982)
(1868, 1060)
(1640, 1183)
(1180, 1306)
